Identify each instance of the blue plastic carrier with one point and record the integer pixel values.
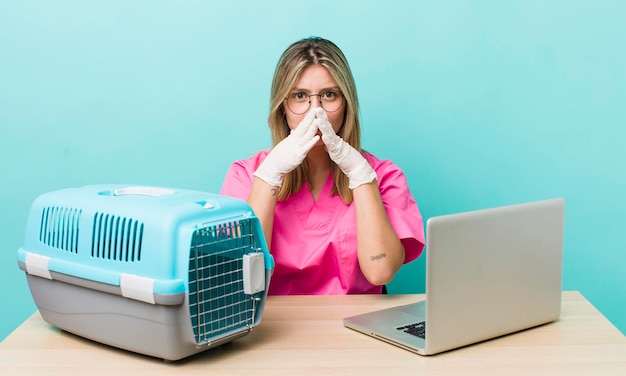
(158, 271)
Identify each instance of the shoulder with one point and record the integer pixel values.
(249, 164)
(240, 176)
(390, 178)
(383, 167)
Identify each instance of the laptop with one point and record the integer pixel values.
(489, 273)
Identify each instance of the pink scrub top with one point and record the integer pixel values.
(314, 242)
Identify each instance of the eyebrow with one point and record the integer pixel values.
(296, 89)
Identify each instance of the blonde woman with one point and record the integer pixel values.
(336, 219)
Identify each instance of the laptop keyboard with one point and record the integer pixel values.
(417, 329)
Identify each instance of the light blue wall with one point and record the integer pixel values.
(482, 103)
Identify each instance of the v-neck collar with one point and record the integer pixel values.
(312, 212)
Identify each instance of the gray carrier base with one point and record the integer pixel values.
(99, 312)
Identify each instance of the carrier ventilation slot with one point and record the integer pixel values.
(59, 228)
(116, 238)
(217, 302)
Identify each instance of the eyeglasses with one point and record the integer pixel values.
(299, 102)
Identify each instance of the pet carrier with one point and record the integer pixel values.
(158, 271)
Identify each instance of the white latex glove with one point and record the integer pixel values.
(290, 152)
(349, 160)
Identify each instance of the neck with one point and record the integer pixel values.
(318, 160)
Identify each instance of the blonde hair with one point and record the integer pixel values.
(297, 57)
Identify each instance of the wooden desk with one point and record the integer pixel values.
(302, 335)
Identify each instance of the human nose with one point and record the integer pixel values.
(318, 99)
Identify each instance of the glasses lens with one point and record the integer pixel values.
(298, 103)
(331, 100)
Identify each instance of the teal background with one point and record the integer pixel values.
(482, 103)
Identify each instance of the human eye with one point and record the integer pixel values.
(298, 96)
(330, 95)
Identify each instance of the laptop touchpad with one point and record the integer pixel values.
(415, 309)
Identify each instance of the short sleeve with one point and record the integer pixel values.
(239, 177)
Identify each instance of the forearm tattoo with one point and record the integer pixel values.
(378, 257)
(274, 191)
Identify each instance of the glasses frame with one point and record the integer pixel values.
(320, 100)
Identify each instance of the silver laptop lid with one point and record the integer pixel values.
(492, 272)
